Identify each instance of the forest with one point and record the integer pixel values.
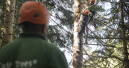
(102, 43)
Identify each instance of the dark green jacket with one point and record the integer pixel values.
(31, 51)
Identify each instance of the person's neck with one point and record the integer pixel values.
(32, 32)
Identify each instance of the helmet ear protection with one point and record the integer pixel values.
(33, 12)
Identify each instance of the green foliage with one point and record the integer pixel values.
(96, 8)
(108, 51)
(108, 48)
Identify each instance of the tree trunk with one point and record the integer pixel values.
(125, 51)
(8, 26)
(77, 46)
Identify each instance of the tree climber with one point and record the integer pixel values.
(84, 19)
(31, 49)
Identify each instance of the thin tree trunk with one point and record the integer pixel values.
(8, 26)
(125, 52)
(77, 46)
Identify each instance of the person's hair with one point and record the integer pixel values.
(31, 27)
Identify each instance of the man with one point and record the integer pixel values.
(31, 49)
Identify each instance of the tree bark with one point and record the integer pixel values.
(77, 45)
(125, 51)
(9, 20)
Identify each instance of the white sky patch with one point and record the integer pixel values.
(51, 21)
(69, 56)
(107, 5)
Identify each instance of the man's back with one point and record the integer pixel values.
(31, 51)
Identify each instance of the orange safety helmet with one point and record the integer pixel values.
(33, 12)
(92, 1)
(86, 12)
